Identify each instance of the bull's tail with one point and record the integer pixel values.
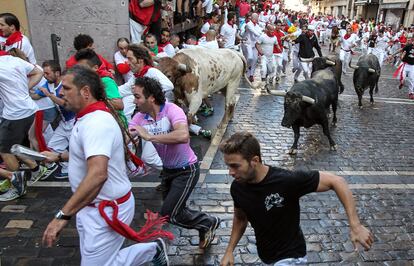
(245, 69)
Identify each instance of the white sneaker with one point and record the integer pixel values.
(11, 194)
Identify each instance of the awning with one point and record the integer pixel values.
(394, 5)
(360, 2)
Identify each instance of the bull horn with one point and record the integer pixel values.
(182, 67)
(155, 63)
(331, 63)
(277, 92)
(351, 66)
(371, 70)
(306, 59)
(308, 99)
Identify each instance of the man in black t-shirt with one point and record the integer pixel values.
(268, 198)
(407, 68)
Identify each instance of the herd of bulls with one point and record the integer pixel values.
(198, 72)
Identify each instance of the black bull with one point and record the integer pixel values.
(332, 62)
(366, 74)
(308, 102)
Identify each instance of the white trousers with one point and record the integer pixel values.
(250, 53)
(136, 30)
(267, 66)
(408, 77)
(380, 54)
(278, 62)
(345, 57)
(101, 246)
(60, 140)
(295, 57)
(306, 67)
(289, 262)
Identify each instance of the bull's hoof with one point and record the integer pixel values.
(334, 147)
(293, 151)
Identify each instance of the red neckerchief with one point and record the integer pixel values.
(103, 72)
(254, 23)
(270, 34)
(101, 106)
(143, 71)
(346, 36)
(265, 13)
(231, 23)
(3, 53)
(13, 38)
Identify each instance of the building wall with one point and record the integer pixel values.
(105, 21)
(18, 8)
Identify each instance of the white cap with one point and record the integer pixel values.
(311, 27)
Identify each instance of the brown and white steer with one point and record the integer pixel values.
(197, 72)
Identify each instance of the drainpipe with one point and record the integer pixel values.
(55, 42)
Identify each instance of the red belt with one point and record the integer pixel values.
(117, 201)
(151, 230)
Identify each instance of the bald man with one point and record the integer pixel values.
(250, 38)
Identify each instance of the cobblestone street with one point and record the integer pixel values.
(374, 154)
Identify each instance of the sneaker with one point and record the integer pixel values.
(11, 194)
(208, 111)
(207, 237)
(44, 172)
(161, 258)
(5, 185)
(61, 176)
(19, 182)
(206, 133)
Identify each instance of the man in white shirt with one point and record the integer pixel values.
(16, 78)
(264, 46)
(98, 178)
(210, 41)
(229, 31)
(250, 37)
(381, 46)
(141, 63)
(10, 26)
(347, 41)
(121, 61)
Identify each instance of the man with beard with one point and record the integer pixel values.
(268, 198)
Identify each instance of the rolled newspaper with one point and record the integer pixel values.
(26, 153)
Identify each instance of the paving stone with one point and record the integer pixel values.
(10, 232)
(24, 224)
(20, 252)
(56, 252)
(34, 262)
(14, 208)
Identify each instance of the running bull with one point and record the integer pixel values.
(333, 62)
(366, 74)
(198, 72)
(307, 103)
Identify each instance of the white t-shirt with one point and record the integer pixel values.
(120, 59)
(97, 133)
(14, 89)
(382, 43)
(267, 43)
(45, 102)
(348, 43)
(26, 47)
(252, 33)
(205, 28)
(229, 34)
(169, 50)
(209, 45)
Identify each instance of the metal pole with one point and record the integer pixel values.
(55, 42)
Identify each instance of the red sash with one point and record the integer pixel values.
(3, 53)
(38, 126)
(143, 71)
(13, 38)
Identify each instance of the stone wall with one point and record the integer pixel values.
(105, 21)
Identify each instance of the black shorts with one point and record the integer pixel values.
(14, 132)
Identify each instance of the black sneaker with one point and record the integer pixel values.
(19, 182)
(161, 258)
(207, 237)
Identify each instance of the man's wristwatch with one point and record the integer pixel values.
(61, 216)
